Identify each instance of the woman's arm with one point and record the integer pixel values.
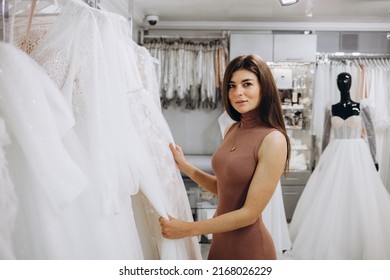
(207, 181)
(272, 158)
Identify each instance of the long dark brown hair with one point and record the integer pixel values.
(270, 108)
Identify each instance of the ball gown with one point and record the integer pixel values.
(344, 210)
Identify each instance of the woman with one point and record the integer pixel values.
(247, 166)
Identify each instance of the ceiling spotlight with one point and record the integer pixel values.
(287, 2)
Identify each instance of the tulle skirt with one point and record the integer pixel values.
(274, 218)
(53, 209)
(344, 211)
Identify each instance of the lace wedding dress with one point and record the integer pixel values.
(162, 191)
(8, 200)
(91, 58)
(46, 179)
(344, 210)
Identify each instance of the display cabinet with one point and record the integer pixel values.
(274, 47)
(258, 43)
(295, 84)
(295, 47)
(293, 184)
(203, 203)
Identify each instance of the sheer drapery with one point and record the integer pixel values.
(371, 82)
(190, 72)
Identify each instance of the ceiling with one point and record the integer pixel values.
(256, 14)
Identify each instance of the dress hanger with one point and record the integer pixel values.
(387, 63)
(25, 11)
(30, 17)
(5, 21)
(91, 3)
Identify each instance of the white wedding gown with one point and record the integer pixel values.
(162, 191)
(90, 56)
(344, 210)
(8, 200)
(170, 192)
(47, 181)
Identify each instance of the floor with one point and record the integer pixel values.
(205, 247)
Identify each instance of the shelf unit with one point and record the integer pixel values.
(295, 84)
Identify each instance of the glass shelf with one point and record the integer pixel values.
(295, 82)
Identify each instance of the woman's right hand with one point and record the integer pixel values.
(178, 155)
(175, 229)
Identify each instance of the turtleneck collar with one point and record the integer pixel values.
(250, 119)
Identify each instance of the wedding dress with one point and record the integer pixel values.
(344, 210)
(8, 200)
(46, 179)
(162, 191)
(90, 56)
(100, 223)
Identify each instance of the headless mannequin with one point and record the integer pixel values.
(346, 107)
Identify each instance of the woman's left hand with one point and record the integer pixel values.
(174, 229)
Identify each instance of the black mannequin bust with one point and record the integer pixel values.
(346, 107)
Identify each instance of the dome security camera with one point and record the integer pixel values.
(152, 19)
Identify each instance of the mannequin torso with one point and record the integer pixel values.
(346, 107)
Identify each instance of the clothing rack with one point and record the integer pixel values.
(349, 56)
(5, 21)
(93, 3)
(143, 36)
(21, 10)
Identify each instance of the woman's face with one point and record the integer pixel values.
(244, 91)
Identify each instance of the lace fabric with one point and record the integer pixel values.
(353, 127)
(368, 125)
(102, 213)
(344, 210)
(147, 68)
(43, 114)
(90, 56)
(346, 129)
(46, 179)
(161, 182)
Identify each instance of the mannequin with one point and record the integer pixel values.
(346, 107)
(344, 210)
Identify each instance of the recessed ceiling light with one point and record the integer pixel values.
(287, 2)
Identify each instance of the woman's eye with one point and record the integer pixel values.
(231, 86)
(247, 84)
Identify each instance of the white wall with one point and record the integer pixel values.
(196, 131)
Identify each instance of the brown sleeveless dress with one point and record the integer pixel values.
(234, 171)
